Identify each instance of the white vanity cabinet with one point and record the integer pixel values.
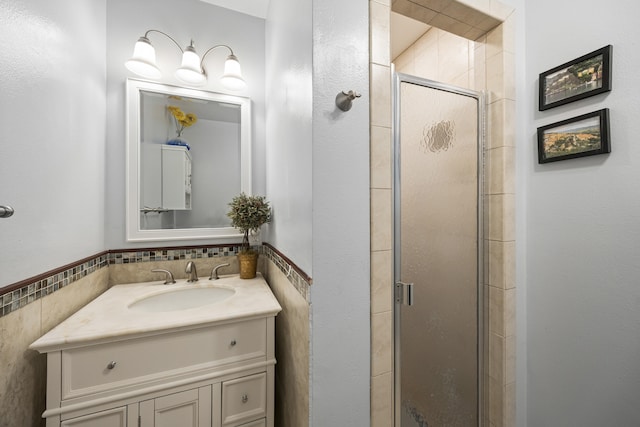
(217, 376)
(215, 373)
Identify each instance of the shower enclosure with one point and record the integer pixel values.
(438, 265)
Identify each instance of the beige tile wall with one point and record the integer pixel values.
(23, 371)
(441, 56)
(381, 226)
(292, 351)
(496, 50)
(486, 64)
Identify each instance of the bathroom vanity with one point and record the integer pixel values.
(149, 354)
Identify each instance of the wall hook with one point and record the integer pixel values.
(6, 211)
(343, 99)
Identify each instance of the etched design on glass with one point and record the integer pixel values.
(438, 136)
(411, 416)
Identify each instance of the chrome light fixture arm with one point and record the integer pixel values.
(204, 55)
(232, 76)
(146, 36)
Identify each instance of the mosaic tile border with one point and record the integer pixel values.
(131, 256)
(298, 278)
(16, 296)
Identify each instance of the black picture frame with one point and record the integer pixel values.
(580, 136)
(580, 78)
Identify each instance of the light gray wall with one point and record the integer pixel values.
(582, 253)
(183, 20)
(318, 180)
(289, 94)
(340, 222)
(52, 116)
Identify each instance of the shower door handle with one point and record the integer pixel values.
(404, 293)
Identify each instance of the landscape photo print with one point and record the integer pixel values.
(580, 136)
(583, 77)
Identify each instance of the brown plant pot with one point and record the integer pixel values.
(248, 264)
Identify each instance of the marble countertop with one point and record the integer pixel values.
(109, 318)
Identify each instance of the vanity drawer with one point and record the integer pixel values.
(244, 399)
(94, 369)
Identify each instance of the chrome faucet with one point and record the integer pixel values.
(214, 272)
(191, 272)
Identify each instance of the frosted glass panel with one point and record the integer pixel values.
(438, 244)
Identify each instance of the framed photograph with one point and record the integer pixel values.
(580, 136)
(583, 77)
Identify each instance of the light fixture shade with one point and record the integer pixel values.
(232, 77)
(143, 61)
(190, 71)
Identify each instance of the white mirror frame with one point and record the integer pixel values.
(133, 229)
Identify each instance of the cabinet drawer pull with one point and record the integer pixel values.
(111, 365)
(233, 343)
(245, 398)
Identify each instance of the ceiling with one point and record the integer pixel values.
(250, 7)
(404, 31)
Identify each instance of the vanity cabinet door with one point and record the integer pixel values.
(116, 417)
(191, 408)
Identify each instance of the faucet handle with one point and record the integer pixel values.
(168, 279)
(214, 272)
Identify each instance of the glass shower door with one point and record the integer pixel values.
(437, 268)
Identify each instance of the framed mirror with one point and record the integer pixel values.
(188, 155)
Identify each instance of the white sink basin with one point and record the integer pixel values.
(182, 299)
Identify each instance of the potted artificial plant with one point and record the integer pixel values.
(247, 214)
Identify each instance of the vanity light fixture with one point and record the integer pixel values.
(191, 71)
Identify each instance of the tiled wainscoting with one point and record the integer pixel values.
(32, 307)
(291, 288)
(23, 371)
(27, 291)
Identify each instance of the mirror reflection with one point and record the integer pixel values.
(188, 157)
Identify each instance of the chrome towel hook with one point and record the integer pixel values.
(343, 99)
(6, 211)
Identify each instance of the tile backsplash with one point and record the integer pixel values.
(170, 254)
(18, 295)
